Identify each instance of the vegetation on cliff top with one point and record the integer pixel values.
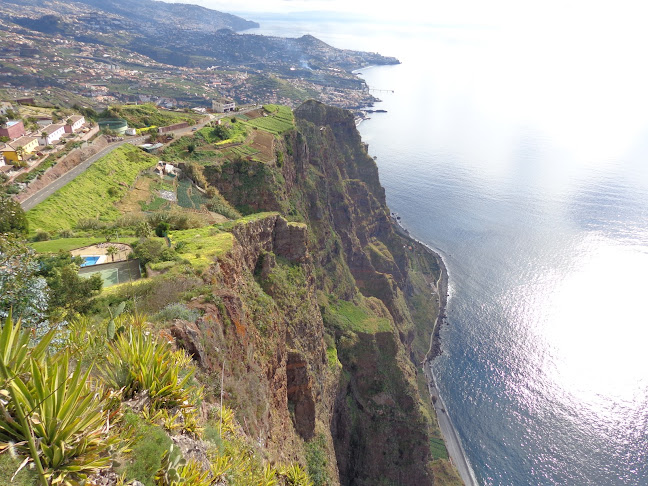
(296, 331)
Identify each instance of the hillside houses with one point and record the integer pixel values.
(74, 123)
(51, 134)
(18, 149)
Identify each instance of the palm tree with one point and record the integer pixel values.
(112, 250)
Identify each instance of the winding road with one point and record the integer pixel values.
(70, 175)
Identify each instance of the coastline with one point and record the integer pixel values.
(451, 438)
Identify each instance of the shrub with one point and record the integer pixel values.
(177, 311)
(162, 229)
(152, 250)
(12, 217)
(42, 236)
(90, 224)
(175, 470)
(149, 445)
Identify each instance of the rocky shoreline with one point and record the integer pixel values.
(450, 436)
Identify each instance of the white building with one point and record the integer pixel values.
(74, 124)
(51, 134)
(222, 105)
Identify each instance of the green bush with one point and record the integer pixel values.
(149, 445)
(316, 461)
(162, 229)
(177, 311)
(153, 250)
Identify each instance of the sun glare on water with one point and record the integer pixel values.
(596, 333)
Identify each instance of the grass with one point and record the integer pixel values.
(246, 219)
(140, 116)
(280, 119)
(438, 448)
(9, 465)
(351, 317)
(67, 244)
(88, 196)
(201, 245)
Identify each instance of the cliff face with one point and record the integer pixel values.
(323, 321)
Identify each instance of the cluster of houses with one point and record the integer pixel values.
(21, 144)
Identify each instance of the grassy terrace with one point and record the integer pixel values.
(200, 246)
(93, 193)
(67, 244)
(350, 317)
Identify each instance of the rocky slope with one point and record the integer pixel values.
(325, 320)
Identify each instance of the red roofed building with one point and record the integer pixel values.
(13, 129)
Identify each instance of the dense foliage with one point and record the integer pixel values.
(12, 217)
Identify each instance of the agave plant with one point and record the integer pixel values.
(50, 412)
(295, 475)
(137, 361)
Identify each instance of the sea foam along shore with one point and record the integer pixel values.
(452, 441)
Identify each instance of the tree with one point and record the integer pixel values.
(12, 216)
(220, 132)
(69, 292)
(143, 230)
(162, 229)
(21, 288)
(112, 250)
(152, 250)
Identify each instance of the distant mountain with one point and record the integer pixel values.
(192, 17)
(146, 13)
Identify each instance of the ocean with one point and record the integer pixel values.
(521, 155)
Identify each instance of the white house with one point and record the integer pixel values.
(74, 124)
(223, 105)
(51, 134)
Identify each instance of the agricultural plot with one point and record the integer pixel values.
(279, 119)
(263, 143)
(242, 151)
(94, 193)
(188, 196)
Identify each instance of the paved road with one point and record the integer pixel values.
(50, 189)
(452, 441)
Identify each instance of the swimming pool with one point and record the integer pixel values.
(90, 260)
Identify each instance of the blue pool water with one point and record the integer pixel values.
(90, 260)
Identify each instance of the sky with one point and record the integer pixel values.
(540, 14)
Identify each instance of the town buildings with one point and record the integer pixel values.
(223, 105)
